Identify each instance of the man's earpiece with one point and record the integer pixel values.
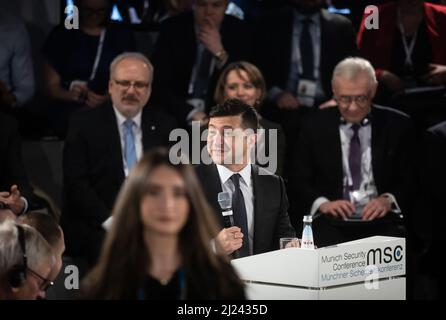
(17, 275)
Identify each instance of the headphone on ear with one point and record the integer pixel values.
(17, 274)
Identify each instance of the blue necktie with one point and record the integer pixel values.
(129, 144)
(306, 51)
(240, 218)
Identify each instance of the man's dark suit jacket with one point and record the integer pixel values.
(174, 58)
(93, 171)
(12, 170)
(271, 220)
(281, 144)
(318, 166)
(273, 41)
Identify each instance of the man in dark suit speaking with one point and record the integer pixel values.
(102, 145)
(259, 200)
(353, 163)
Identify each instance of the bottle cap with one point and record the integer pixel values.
(308, 218)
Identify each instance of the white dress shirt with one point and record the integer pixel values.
(247, 191)
(137, 132)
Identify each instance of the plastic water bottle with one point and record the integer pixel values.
(307, 234)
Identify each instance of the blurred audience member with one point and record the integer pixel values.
(77, 61)
(51, 232)
(254, 8)
(297, 48)
(151, 11)
(102, 145)
(191, 50)
(244, 81)
(367, 173)
(409, 48)
(26, 261)
(16, 67)
(161, 238)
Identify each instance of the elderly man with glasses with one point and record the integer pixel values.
(353, 164)
(26, 262)
(102, 146)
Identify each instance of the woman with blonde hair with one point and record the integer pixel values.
(243, 81)
(160, 242)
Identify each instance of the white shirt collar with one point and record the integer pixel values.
(121, 119)
(315, 17)
(225, 174)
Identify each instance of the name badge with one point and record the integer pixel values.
(306, 92)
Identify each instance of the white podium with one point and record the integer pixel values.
(370, 268)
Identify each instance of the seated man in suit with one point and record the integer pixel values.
(102, 145)
(353, 161)
(15, 190)
(191, 50)
(259, 200)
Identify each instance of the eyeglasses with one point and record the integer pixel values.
(125, 84)
(347, 100)
(46, 283)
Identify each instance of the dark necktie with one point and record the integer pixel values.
(239, 210)
(202, 75)
(306, 51)
(354, 158)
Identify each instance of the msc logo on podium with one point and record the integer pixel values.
(386, 255)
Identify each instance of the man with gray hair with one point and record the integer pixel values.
(102, 146)
(26, 260)
(353, 162)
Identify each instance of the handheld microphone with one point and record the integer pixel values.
(225, 202)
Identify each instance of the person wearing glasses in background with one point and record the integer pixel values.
(102, 145)
(353, 162)
(26, 261)
(51, 232)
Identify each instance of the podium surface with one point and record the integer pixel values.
(369, 268)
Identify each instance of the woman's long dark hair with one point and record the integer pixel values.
(124, 261)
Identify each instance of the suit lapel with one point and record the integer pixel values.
(285, 44)
(148, 128)
(378, 144)
(325, 46)
(114, 139)
(190, 42)
(210, 180)
(334, 150)
(260, 190)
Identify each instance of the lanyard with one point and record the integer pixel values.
(98, 55)
(408, 48)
